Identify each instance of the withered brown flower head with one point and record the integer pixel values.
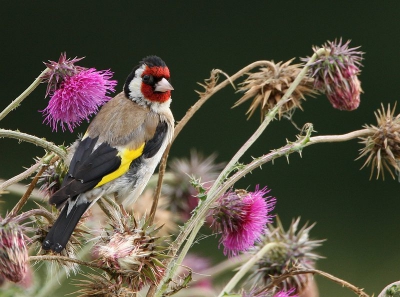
(383, 147)
(269, 85)
(133, 250)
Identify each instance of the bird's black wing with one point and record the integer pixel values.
(153, 145)
(86, 170)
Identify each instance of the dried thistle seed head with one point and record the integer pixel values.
(382, 148)
(13, 251)
(102, 286)
(133, 250)
(293, 247)
(269, 85)
(336, 74)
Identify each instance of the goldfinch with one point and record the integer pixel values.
(119, 151)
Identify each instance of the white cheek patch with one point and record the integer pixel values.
(161, 107)
(136, 83)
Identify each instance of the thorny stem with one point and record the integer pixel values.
(35, 212)
(21, 176)
(277, 280)
(210, 91)
(47, 160)
(195, 222)
(14, 104)
(35, 140)
(269, 117)
(297, 146)
(28, 192)
(68, 259)
(246, 267)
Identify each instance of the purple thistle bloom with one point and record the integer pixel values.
(336, 74)
(241, 217)
(78, 97)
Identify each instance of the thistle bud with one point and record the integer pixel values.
(335, 73)
(13, 251)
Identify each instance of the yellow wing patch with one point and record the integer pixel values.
(127, 156)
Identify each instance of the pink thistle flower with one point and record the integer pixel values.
(241, 217)
(76, 92)
(13, 251)
(336, 74)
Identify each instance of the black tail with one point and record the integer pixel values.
(61, 231)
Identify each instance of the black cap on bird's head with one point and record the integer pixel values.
(149, 81)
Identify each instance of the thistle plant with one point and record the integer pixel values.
(146, 250)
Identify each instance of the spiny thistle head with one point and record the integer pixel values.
(133, 250)
(293, 247)
(102, 286)
(51, 179)
(76, 92)
(269, 85)
(383, 146)
(13, 251)
(336, 74)
(58, 71)
(177, 186)
(41, 229)
(241, 217)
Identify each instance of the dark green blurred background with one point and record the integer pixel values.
(357, 216)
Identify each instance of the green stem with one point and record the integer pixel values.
(268, 118)
(34, 140)
(14, 104)
(246, 267)
(194, 224)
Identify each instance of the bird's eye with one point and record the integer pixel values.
(148, 79)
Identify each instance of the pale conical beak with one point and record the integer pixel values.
(163, 86)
